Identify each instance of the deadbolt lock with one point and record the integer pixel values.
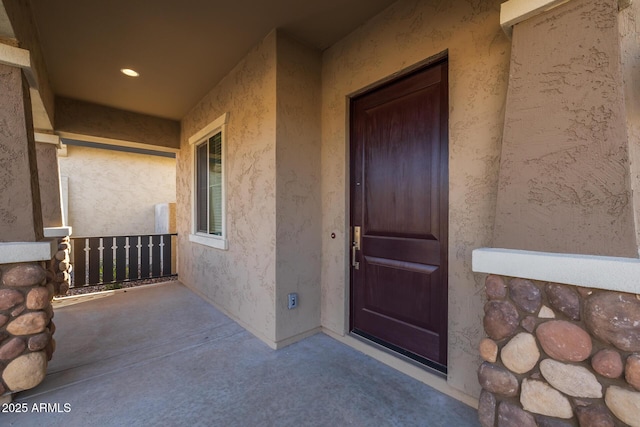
(355, 246)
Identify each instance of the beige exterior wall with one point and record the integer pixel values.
(241, 280)
(273, 193)
(113, 193)
(24, 29)
(298, 207)
(49, 181)
(629, 27)
(405, 34)
(564, 178)
(20, 212)
(87, 119)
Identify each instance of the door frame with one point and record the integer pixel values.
(390, 349)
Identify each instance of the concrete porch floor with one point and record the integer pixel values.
(160, 355)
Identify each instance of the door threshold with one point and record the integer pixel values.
(415, 360)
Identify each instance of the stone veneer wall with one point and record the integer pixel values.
(559, 355)
(59, 268)
(26, 328)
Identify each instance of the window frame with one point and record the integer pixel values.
(219, 125)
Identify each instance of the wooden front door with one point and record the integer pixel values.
(399, 208)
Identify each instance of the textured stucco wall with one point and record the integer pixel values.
(406, 33)
(240, 280)
(24, 28)
(564, 177)
(113, 193)
(85, 118)
(49, 181)
(629, 26)
(20, 213)
(298, 205)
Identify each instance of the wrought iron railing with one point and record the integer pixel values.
(114, 259)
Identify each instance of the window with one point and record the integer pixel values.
(209, 185)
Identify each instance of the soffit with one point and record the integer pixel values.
(181, 48)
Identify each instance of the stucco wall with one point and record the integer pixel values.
(113, 193)
(273, 193)
(85, 118)
(49, 181)
(25, 31)
(629, 27)
(406, 33)
(240, 280)
(298, 208)
(20, 213)
(565, 160)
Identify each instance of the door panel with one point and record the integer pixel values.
(386, 164)
(399, 199)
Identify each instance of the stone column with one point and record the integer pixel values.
(26, 287)
(565, 171)
(20, 211)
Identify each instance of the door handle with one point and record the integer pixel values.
(355, 246)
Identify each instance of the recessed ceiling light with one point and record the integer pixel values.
(129, 72)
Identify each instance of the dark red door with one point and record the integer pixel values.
(399, 206)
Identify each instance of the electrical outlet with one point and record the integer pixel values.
(293, 300)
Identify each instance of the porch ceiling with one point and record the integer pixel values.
(180, 48)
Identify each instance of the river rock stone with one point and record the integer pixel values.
(525, 294)
(24, 275)
(528, 323)
(18, 310)
(500, 319)
(509, 415)
(28, 323)
(564, 341)
(614, 318)
(3, 319)
(38, 342)
(546, 313)
(521, 353)
(48, 310)
(488, 350)
(495, 287)
(540, 398)
(497, 380)
(607, 363)
(624, 404)
(594, 415)
(50, 348)
(10, 298)
(11, 348)
(544, 421)
(487, 409)
(564, 299)
(25, 372)
(62, 255)
(64, 265)
(584, 292)
(38, 298)
(64, 288)
(632, 371)
(573, 380)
